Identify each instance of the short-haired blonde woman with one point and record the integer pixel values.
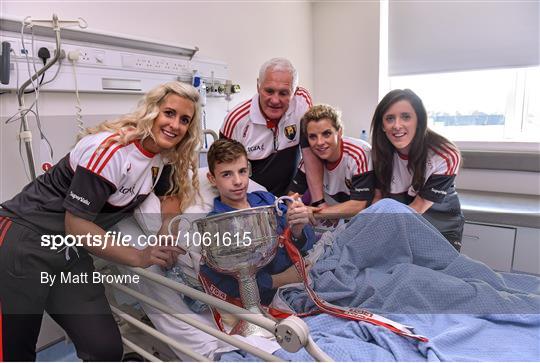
(110, 171)
(348, 172)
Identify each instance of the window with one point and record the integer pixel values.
(487, 105)
(475, 65)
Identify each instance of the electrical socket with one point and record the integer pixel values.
(88, 56)
(156, 64)
(84, 55)
(62, 53)
(74, 55)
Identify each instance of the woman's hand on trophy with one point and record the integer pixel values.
(164, 256)
(166, 239)
(312, 211)
(298, 215)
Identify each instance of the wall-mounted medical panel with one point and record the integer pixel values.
(103, 67)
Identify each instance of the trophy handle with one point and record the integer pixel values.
(281, 200)
(181, 218)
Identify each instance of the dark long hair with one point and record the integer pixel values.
(383, 150)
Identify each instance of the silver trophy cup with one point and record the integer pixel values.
(239, 243)
(253, 244)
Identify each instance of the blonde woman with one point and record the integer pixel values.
(348, 176)
(110, 171)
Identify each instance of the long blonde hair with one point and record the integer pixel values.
(138, 124)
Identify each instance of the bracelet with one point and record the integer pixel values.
(318, 203)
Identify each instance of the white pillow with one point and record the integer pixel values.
(148, 215)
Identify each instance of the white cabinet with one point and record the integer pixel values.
(491, 245)
(527, 251)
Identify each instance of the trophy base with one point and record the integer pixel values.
(246, 329)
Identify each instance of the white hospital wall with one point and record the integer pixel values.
(241, 34)
(346, 60)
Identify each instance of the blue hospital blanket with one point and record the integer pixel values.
(391, 261)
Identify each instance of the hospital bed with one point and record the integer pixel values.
(191, 336)
(170, 330)
(502, 308)
(161, 326)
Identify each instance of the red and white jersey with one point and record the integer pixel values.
(129, 169)
(272, 150)
(247, 124)
(441, 168)
(352, 174)
(98, 180)
(351, 177)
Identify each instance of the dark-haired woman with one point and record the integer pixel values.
(414, 164)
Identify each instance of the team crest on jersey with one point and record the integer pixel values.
(348, 183)
(290, 132)
(155, 172)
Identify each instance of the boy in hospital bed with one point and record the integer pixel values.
(229, 173)
(226, 158)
